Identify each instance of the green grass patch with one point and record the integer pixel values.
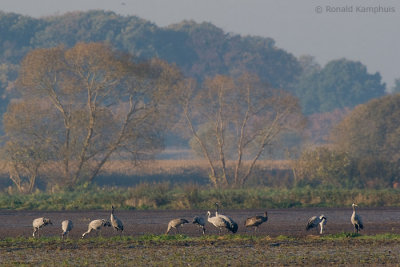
(345, 235)
(99, 241)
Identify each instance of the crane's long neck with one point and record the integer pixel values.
(354, 211)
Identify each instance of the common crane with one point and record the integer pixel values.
(176, 223)
(314, 221)
(356, 219)
(232, 224)
(115, 221)
(218, 222)
(256, 221)
(39, 223)
(96, 225)
(200, 222)
(66, 226)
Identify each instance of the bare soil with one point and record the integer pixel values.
(288, 222)
(304, 249)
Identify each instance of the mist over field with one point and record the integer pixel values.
(84, 91)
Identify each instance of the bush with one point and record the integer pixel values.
(328, 167)
(324, 166)
(376, 173)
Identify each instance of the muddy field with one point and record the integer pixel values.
(297, 248)
(288, 222)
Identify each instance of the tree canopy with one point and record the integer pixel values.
(237, 120)
(84, 105)
(340, 84)
(364, 149)
(371, 129)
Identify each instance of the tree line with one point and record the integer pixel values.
(76, 105)
(200, 50)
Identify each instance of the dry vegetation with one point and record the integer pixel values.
(178, 166)
(155, 166)
(126, 173)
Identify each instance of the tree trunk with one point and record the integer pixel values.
(212, 175)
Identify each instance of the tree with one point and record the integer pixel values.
(26, 155)
(371, 129)
(97, 103)
(341, 83)
(396, 87)
(370, 136)
(8, 74)
(308, 65)
(236, 120)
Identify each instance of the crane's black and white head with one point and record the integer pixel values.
(106, 223)
(47, 221)
(322, 217)
(196, 220)
(354, 205)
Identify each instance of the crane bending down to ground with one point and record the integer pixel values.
(66, 226)
(256, 221)
(176, 223)
(96, 225)
(232, 224)
(218, 222)
(200, 222)
(356, 220)
(314, 221)
(116, 222)
(39, 223)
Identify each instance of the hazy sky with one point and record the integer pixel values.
(364, 30)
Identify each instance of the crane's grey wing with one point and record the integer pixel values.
(120, 225)
(359, 221)
(199, 220)
(312, 222)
